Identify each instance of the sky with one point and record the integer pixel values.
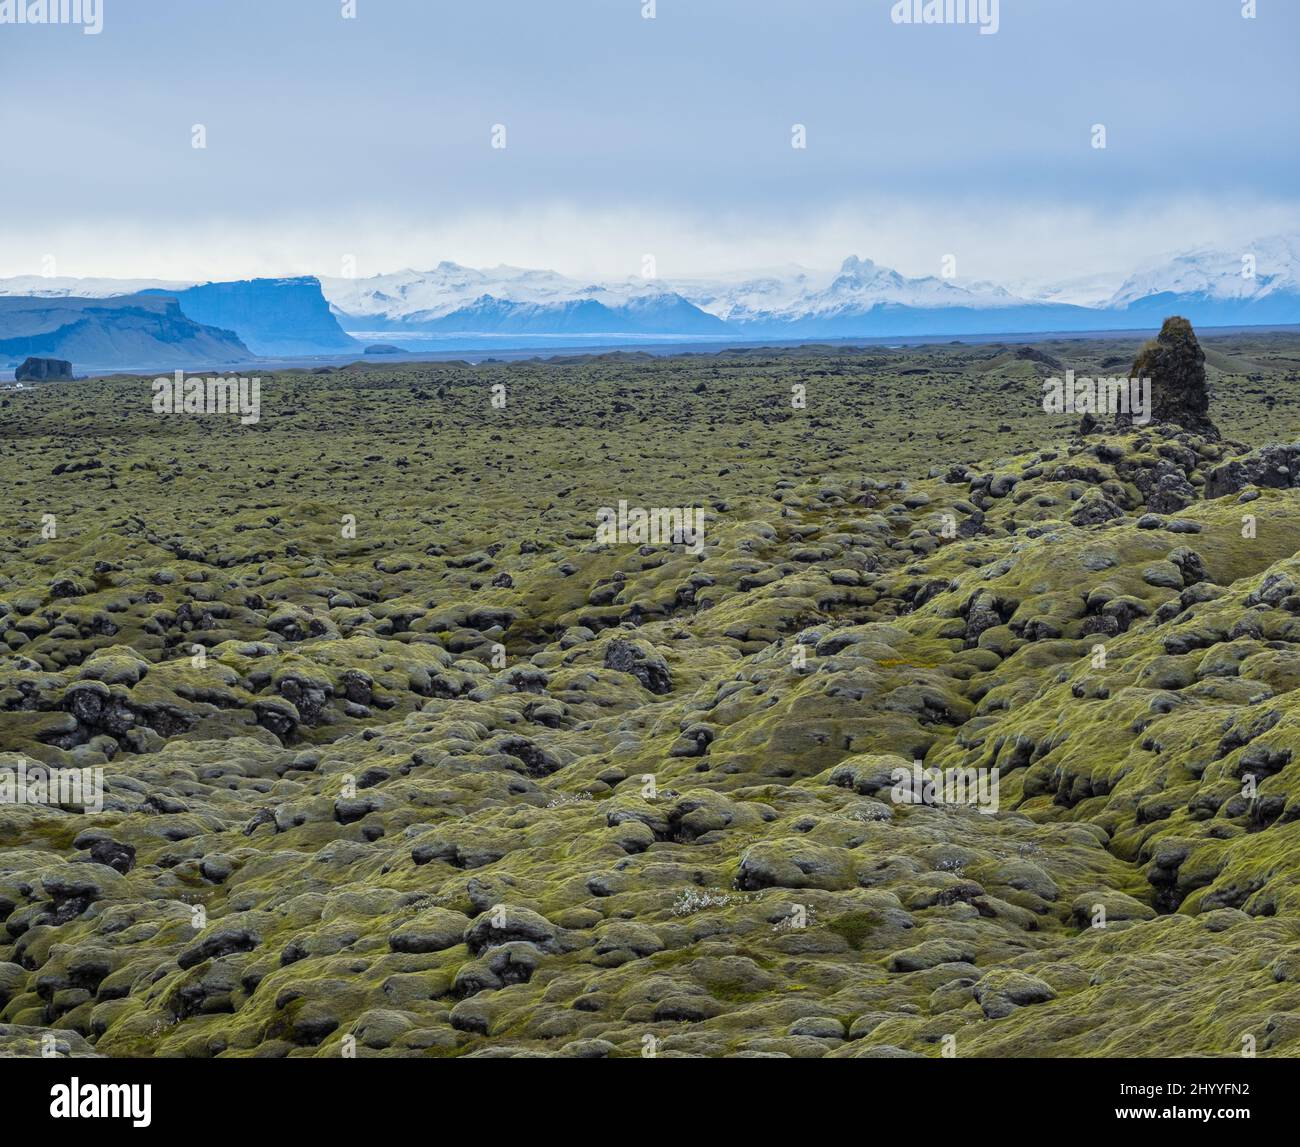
(365, 143)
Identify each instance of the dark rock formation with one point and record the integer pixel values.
(1175, 364)
(1033, 354)
(646, 666)
(44, 370)
(1273, 467)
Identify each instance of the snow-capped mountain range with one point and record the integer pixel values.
(1256, 286)
(861, 297)
(418, 297)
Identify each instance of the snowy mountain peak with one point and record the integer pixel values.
(1261, 269)
(854, 265)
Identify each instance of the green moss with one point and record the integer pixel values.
(855, 927)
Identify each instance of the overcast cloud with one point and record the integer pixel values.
(371, 137)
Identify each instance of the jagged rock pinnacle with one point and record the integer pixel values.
(1175, 364)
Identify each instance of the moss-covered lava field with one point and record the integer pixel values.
(400, 760)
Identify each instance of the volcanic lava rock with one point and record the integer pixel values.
(1273, 466)
(1175, 364)
(645, 665)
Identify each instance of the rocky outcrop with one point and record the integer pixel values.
(1175, 364)
(44, 370)
(645, 665)
(1273, 467)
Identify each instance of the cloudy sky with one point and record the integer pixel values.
(371, 137)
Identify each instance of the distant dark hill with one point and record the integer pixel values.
(272, 316)
(35, 369)
(123, 331)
